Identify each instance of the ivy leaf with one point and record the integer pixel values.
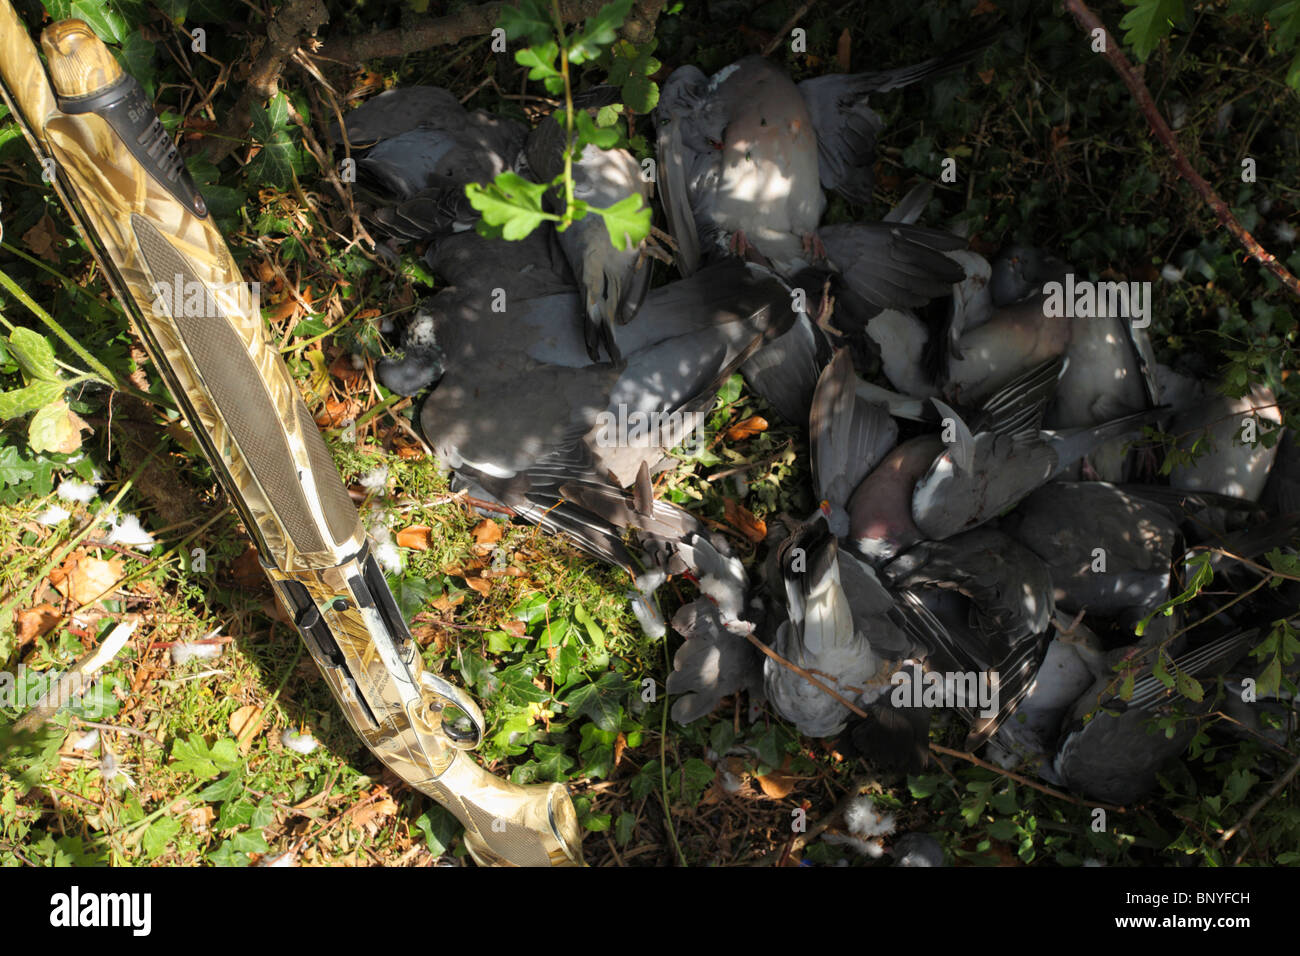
(627, 221)
(696, 776)
(276, 162)
(601, 701)
(102, 18)
(270, 119)
(439, 828)
(511, 203)
(224, 789)
(137, 56)
(1149, 22)
(552, 762)
(159, 835)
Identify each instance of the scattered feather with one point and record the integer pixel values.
(298, 743)
(70, 489)
(128, 532)
(87, 741)
(864, 820)
(53, 515)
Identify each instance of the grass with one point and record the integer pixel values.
(1049, 150)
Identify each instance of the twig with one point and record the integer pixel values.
(786, 27)
(122, 730)
(984, 764)
(84, 670)
(1259, 804)
(805, 675)
(1089, 22)
(291, 21)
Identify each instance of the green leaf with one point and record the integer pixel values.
(137, 56)
(552, 762)
(510, 203)
(1148, 23)
(640, 92)
(588, 132)
(20, 401)
(194, 756)
(601, 701)
(624, 828)
(226, 855)
(270, 119)
(228, 787)
(540, 61)
(33, 353)
(599, 31)
(103, 19)
(439, 828)
(49, 428)
(696, 776)
(627, 221)
(1003, 829)
(530, 21)
(249, 841)
(276, 163)
(412, 594)
(159, 835)
(1187, 685)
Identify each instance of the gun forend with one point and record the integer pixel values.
(201, 324)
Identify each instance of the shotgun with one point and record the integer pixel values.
(124, 184)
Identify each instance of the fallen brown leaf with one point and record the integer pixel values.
(35, 622)
(778, 784)
(337, 411)
(983, 7)
(200, 817)
(244, 724)
(384, 807)
(486, 534)
(343, 369)
(620, 745)
(83, 578)
(514, 629)
(247, 570)
(444, 603)
(744, 521)
(481, 585)
(415, 537)
(42, 237)
(747, 429)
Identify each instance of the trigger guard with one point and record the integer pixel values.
(453, 695)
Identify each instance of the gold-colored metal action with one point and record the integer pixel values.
(118, 173)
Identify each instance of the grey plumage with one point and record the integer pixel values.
(712, 664)
(1110, 751)
(847, 437)
(1106, 550)
(1010, 593)
(993, 465)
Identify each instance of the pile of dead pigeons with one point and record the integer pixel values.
(998, 536)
